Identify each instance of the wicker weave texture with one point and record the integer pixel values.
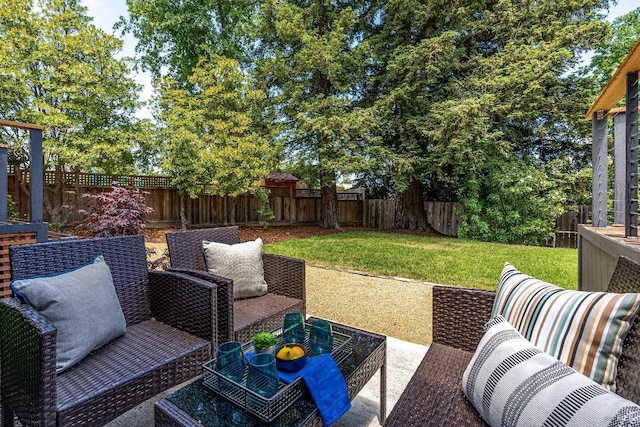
(459, 316)
(434, 394)
(625, 279)
(149, 358)
(284, 276)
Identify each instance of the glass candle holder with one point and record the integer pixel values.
(230, 360)
(262, 375)
(321, 337)
(293, 330)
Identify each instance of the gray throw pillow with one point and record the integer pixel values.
(241, 263)
(83, 306)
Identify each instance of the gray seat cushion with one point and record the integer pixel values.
(146, 348)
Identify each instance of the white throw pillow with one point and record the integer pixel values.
(83, 306)
(511, 382)
(585, 330)
(241, 263)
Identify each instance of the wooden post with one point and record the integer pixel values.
(619, 168)
(37, 166)
(4, 183)
(631, 211)
(599, 156)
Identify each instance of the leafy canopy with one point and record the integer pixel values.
(211, 132)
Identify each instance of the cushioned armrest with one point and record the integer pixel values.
(285, 275)
(185, 302)
(459, 316)
(28, 360)
(224, 300)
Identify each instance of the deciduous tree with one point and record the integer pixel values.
(58, 70)
(211, 133)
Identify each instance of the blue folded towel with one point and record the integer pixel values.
(326, 385)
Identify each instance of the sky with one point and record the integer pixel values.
(106, 12)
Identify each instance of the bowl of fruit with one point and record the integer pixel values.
(291, 357)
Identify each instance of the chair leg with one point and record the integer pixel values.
(7, 416)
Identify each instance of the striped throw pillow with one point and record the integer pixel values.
(585, 330)
(510, 382)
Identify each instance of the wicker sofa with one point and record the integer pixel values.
(170, 325)
(240, 319)
(434, 394)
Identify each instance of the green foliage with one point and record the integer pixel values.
(174, 36)
(510, 202)
(479, 97)
(58, 70)
(264, 340)
(211, 134)
(625, 31)
(310, 58)
(56, 226)
(11, 208)
(449, 261)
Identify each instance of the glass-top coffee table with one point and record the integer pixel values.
(196, 405)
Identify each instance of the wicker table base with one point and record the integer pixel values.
(196, 405)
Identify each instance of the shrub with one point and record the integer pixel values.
(119, 212)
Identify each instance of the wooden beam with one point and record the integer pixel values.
(20, 125)
(616, 87)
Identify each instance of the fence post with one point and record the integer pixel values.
(4, 183)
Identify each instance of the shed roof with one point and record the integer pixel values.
(617, 85)
(281, 176)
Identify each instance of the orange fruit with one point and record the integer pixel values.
(296, 352)
(290, 353)
(284, 353)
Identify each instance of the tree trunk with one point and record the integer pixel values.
(183, 214)
(329, 207)
(409, 212)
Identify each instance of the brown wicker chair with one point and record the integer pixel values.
(241, 319)
(170, 327)
(434, 394)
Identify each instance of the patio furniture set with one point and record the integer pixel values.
(97, 365)
(169, 326)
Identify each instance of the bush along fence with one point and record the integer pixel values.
(289, 206)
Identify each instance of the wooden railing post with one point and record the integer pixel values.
(4, 183)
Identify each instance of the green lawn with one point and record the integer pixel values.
(439, 260)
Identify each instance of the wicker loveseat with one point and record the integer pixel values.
(434, 395)
(170, 325)
(240, 319)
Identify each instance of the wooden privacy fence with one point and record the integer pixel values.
(289, 205)
(441, 216)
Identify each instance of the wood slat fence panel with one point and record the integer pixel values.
(293, 206)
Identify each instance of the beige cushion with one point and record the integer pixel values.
(585, 330)
(83, 306)
(241, 263)
(510, 382)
